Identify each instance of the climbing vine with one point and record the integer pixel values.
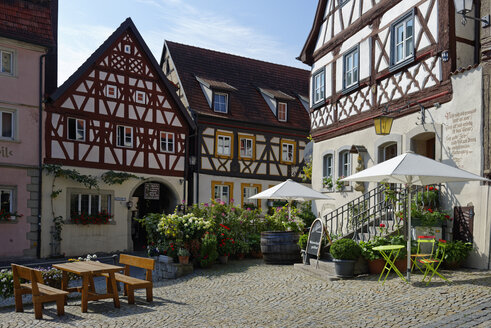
(111, 177)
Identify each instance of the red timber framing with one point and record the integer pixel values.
(424, 81)
(119, 92)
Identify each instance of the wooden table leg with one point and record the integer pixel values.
(64, 283)
(91, 284)
(114, 290)
(85, 292)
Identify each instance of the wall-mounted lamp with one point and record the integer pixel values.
(383, 123)
(129, 204)
(463, 7)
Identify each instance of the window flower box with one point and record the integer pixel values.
(97, 218)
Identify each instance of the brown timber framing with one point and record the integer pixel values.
(267, 157)
(441, 92)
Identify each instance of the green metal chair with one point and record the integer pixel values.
(433, 264)
(422, 251)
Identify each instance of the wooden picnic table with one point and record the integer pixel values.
(87, 270)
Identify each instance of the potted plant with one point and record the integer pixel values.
(327, 182)
(208, 250)
(345, 253)
(340, 184)
(455, 253)
(183, 255)
(375, 261)
(241, 248)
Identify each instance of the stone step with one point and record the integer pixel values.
(311, 270)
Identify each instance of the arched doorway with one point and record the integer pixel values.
(153, 197)
(424, 144)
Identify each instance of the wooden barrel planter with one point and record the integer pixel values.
(280, 247)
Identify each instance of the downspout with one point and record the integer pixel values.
(197, 154)
(40, 152)
(477, 33)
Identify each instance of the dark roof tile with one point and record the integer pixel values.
(247, 76)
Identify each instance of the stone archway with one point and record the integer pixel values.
(150, 197)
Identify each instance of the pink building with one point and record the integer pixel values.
(27, 50)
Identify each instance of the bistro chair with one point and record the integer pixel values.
(433, 264)
(422, 252)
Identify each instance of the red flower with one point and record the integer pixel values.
(224, 226)
(447, 217)
(382, 225)
(431, 188)
(430, 210)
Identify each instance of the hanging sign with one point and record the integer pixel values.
(152, 191)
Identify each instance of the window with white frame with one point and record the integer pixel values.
(90, 204)
(318, 86)
(402, 39)
(127, 48)
(327, 168)
(220, 102)
(6, 124)
(224, 145)
(6, 200)
(288, 151)
(282, 111)
(350, 65)
(76, 129)
(344, 164)
(6, 62)
(246, 147)
(222, 192)
(247, 192)
(124, 136)
(167, 142)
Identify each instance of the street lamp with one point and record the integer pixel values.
(463, 7)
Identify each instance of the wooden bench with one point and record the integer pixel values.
(132, 283)
(41, 293)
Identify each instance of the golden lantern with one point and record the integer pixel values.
(383, 124)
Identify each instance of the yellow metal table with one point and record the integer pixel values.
(389, 253)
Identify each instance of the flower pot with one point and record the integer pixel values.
(344, 268)
(376, 266)
(184, 259)
(280, 247)
(401, 264)
(223, 259)
(240, 256)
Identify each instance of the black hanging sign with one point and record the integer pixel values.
(152, 191)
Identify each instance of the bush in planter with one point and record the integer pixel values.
(367, 251)
(456, 252)
(345, 249)
(208, 251)
(345, 253)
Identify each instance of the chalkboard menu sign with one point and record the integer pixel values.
(152, 191)
(315, 238)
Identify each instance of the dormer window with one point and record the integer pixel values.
(220, 102)
(282, 112)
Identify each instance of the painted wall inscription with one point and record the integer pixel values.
(461, 136)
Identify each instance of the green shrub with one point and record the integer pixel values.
(345, 249)
(302, 241)
(208, 251)
(6, 284)
(457, 251)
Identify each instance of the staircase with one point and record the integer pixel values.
(378, 212)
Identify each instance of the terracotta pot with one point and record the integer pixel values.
(401, 264)
(184, 259)
(376, 266)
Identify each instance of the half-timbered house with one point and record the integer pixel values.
(27, 72)
(251, 116)
(118, 120)
(413, 61)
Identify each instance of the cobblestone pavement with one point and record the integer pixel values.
(251, 294)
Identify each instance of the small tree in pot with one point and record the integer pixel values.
(345, 252)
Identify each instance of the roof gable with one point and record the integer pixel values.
(127, 33)
(243, 79)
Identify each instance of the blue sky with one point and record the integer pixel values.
(270, 30)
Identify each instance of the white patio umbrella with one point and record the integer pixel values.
(290, 191)
(412, 169)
